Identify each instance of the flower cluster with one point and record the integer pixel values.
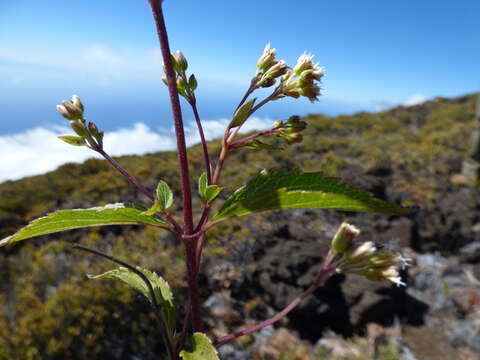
(302, 80)
(185, 86)
(87, 132)
(290, 131)
(375, 262)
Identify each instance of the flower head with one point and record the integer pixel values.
(366, 258)
(303, 79)
(267, 59)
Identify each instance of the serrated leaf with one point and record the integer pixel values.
(202, 184)
(212, 191)
(242, 113)
(164, 195)
(161, 289)
(203, 349)
(73, 140)
(112, 214)
(296, 190)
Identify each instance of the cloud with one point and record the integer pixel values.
(38, 150)
(414, 100)
(103, 62)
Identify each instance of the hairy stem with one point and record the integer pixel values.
(156, 308)
(324, 275)
(126, 174)
(156, 6)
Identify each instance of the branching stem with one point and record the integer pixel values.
(126, 174)
(327, 270)
(206, 157)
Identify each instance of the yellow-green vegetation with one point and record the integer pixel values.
(50, 310)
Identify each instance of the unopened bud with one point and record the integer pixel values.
(293, 138)
(192, 82)
(79, 128)
(93, 128)
(180, 63)
(71, 110)
(343, 238)
(278, 123)
(181, 83)
(76, 102)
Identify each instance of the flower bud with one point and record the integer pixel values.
(278, 123)
(293, 138)
(79, 128)
(71, 110)
(181, 85)
(267, 59)
(343, 238)
(180, 63)
(362, 251)
(76, 102)
(192, 82)
(278, 69)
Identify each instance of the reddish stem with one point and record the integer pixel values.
(325, 273)
(251, 137)
(206, 157)
(125, 173)
(156, 6)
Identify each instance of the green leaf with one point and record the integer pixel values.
(241, 115)
(202, 349)
(296, 190)
(161, 289)
(111, 214)
(202, 185)
(73, 140)
(164, 195)
(212, 191)
(155, 208)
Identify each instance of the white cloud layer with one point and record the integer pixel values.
(38, 150)
(415, 100)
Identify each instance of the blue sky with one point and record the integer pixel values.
(376, 54)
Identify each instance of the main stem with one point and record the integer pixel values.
(190, 243)
(156, 6)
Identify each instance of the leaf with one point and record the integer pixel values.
(111, 214)
(242, 113)
(161, 289)
(73, 140)
(296, 190)
(212, 191)
(202, 349)
(202, 184)
(164, 195)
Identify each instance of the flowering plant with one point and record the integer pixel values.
(269, 190)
